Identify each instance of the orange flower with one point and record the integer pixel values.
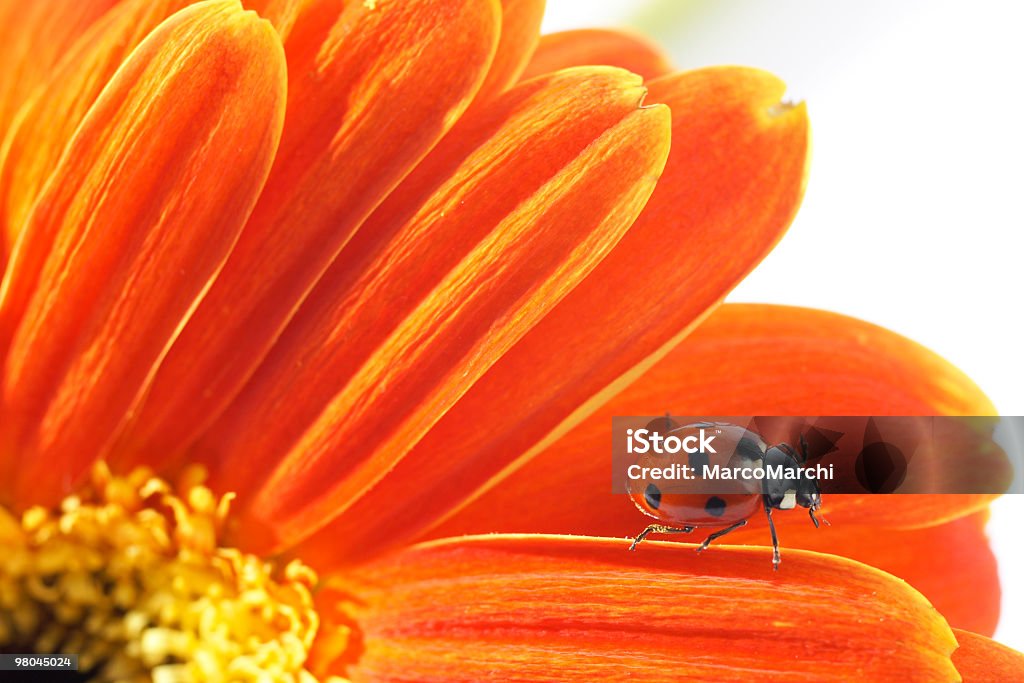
(369, 276)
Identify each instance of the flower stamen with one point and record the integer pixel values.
(130, 575)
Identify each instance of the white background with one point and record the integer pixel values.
(915, 207)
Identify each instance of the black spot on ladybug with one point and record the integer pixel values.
(715, 506)
(748, 449)
(698, 461)
(653, 496)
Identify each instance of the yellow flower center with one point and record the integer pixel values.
(130, 575)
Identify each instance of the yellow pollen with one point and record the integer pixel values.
(130, 575)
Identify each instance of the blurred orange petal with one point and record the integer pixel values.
(49, 120)
(42, 130)
(980, 660)
(951, 564)
(281, 13)
(732, 163)
(584, 47)
(372, 87)
(514, 228)
(905, 511)
(547, 608)
(782, 360)
(138, 218)
(520, 31)
(34, 36)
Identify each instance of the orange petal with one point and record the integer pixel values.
(781, 360)
(584, 47)
(732, 163)
(536, 608)
(48, 121)
(520, 32)
(33, 37)
(371, 90)
(42, 130)
(905, 511)
(281, 13)
(138, 218)
(564, 168)
(980, 660)
(951, 564)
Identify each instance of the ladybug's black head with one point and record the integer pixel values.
(787, 493)
(808, 495)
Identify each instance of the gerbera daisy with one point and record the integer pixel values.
(297, 294)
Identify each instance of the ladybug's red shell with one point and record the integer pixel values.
(681, 502)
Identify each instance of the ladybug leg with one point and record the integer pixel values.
(776, 559)
(659, 529)
(719, 534)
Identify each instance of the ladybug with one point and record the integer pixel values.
(682, 505)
